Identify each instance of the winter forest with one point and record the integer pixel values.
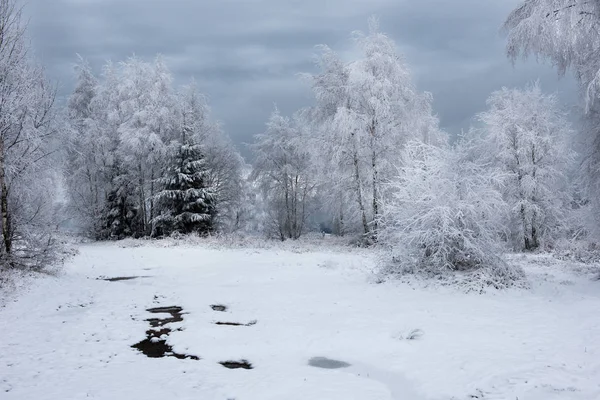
(131, 157)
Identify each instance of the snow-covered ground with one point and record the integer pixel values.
(70, 337)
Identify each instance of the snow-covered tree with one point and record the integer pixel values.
(186, 199)
(84, 177)
(284, 172)
(27, 127)
(120, 212)
(368, 108)
(526, 134)
(223, 163)
(444, 218)
(565, 32)
(125, 133)
(120, 216)
(144, 96)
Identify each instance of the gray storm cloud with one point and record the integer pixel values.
(246, 55)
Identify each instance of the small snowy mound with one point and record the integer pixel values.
(497, 274)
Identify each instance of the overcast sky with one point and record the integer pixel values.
(246, 54)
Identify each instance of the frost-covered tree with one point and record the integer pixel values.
(100, 192)
(526, 133)
(223, 163)
(27, 127)
(120, 212)
(125, 133)
(84, 177)
(565, 32)
(120, 217)
(144, 96)
(186, 200)
(368, 108)
(285, 175)
(338, 192)
(444, 218)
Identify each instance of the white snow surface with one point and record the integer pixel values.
(70, 336)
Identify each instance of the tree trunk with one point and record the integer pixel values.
(295, 209)
(151, 199)
(142, 199)
(6, 219)
(359, 195)
(341, 228)
(372, 132)
(534, 235)
(375, 196)
(526, 241)
(534, 238)
(286, 222)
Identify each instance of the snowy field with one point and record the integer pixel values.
(70, 337)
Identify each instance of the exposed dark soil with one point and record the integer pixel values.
(236, 323)
(236, 364)
(219, 307)
(122, 278)
(155, 345)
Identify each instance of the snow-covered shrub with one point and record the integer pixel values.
(413, 334)
(445, 219)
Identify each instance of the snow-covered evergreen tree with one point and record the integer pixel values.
(186, 199)
(223, 163)
(121, 215)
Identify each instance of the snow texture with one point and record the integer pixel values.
(70, 337)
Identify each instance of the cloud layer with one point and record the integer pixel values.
(246, 54)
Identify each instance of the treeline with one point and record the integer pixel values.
(138, 157)
(371, 156)
(143, 159)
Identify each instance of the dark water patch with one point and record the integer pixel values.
(155, 345)
(228, 323)
(219, 307)
(159, 349)
(169, 309)
(242, 364)
(175, 311)
(327, 363)
(236, 323)
(122, 278)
